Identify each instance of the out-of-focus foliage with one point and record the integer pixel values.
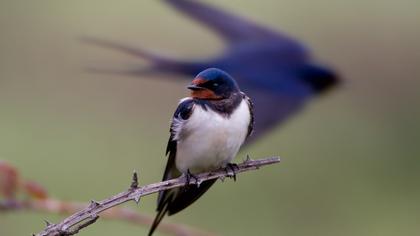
(8, 180)
(13, 187)
(350, 160)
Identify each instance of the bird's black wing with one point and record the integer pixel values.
(233, 29)
(174, 200)
(182, 113)
(251, 111)
(271, 109)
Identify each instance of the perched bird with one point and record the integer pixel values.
(275, 70)
(207, 130)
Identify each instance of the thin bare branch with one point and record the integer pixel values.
(56, 206)
(74, 223)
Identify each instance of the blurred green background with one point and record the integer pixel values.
(350, 160)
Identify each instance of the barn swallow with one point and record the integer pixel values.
(207, 130)
(274, 69)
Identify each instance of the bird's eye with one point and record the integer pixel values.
(215, 84)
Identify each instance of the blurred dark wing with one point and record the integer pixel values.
(123, 48)
(233, 28)
(279, 94)
(270, 67)
(158, 63)
(271, 110)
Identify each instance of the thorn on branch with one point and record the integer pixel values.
(134, 181)
(93, 204)
(248, 158)
(137, 199)
(47, 223)
(198, 183)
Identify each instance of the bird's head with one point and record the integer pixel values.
(213, 84)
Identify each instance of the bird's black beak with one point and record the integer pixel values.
(194, 87)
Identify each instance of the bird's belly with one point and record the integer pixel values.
(212, 144)
(206, 151)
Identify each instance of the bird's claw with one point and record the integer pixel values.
(231, 169)
(189, 176)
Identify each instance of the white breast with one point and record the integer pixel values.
(211, 140)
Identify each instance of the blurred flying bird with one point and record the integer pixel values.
(275, 70)
(207, 130)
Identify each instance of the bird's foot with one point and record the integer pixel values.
(189, 176)
(231, 169)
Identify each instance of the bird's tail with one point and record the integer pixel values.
(319, 78)
(174, 200)
(158, 63)
(161, 213)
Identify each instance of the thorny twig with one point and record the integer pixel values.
(74, 223)
(56, 206)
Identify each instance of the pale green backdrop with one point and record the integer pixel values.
(350, 160)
